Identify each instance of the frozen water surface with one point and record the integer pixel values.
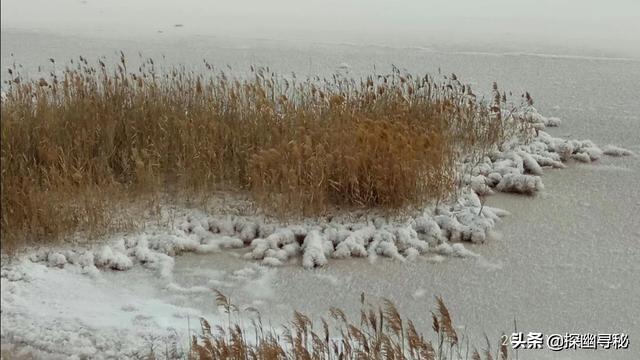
(566, 260)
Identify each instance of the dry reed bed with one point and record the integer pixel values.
(79, 143)
(379, 333)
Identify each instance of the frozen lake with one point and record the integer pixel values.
(567, 260)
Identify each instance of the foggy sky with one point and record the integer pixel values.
(611, 26)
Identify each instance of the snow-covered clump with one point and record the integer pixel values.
(517, 165)
(112, 258)
(314, 241)
(531, 115)
(530, 163)
(525, 184)
(355, 244)
(613, 150)
(314, 250)
(467, 220)
(56, 259)
(271, 261)
(427, 229)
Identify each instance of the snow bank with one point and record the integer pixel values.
(314, 242)
(53, 313)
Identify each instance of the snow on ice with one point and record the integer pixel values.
(613, 150)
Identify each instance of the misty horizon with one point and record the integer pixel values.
(568, 27)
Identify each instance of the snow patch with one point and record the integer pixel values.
(613, 150)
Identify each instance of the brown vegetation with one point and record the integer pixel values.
(76, 144)
(380, 333)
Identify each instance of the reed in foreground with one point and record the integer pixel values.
(75, 145)
(379, 333)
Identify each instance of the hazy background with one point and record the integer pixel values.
(568, 27)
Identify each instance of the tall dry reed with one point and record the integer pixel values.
(380, 332)
(77, 144)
